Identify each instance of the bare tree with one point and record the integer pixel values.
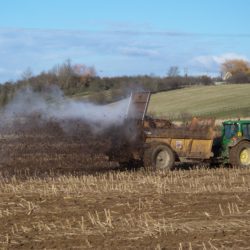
(173, 71)
(83, 70)
(27, 74)
(65, 73)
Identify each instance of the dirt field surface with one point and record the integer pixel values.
(55, 193)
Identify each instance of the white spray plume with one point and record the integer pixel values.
(54, 105)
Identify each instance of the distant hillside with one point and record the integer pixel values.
(224, 101)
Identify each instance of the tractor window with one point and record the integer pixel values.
(246, 130)
(231, 130)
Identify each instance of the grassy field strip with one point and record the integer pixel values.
(224, 101)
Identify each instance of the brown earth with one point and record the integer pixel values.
(58, 191)
(36, 144)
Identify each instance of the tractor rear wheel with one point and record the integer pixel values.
(159, 157)
(240, 155)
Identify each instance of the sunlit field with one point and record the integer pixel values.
(224, 101)
(183, 209)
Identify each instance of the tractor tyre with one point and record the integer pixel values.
(240, 155)
(159, 157)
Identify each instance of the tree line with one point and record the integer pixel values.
(81, 80)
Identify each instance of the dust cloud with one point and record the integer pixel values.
(54, 105)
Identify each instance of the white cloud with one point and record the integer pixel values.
(212, 59)
(136, 51)
(213, 62)
(228, 56)
(117, 52)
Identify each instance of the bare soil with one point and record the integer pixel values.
(59, 191)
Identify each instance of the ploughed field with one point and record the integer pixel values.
(58, 191)
(33, 144)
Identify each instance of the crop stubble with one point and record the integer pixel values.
(55, 193)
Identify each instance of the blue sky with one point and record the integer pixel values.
(122, 37)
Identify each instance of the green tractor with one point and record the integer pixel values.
(235, 143)
(164, 147)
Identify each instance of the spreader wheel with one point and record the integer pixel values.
(159, 157)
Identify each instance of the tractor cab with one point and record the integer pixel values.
(234, 132)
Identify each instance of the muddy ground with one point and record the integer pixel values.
(39, 145)
(59, 191)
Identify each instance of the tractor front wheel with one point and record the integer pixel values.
(240, 155)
